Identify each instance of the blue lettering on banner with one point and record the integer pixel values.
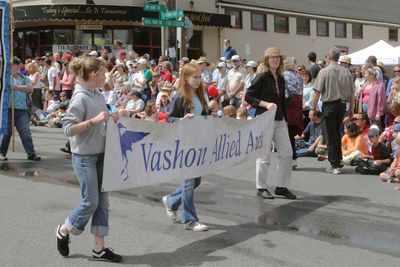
(225, 148)
(254, 142)
(156, 160)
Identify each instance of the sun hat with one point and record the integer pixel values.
(273, 52)
(345, 59)
(202, 60)
(167, 86)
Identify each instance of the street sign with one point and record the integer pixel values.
(172, 14)
(166, 23)
(154, 7)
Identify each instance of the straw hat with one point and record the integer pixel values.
(274, 52)
(345, 59)
(202, 60)
(167, 86)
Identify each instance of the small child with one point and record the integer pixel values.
(215, 111)
(392, 175)
(230, 111)
(378, 159)
(242, 114)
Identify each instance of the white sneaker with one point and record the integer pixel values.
(195, 226)
(336, 171)
(170, 213)
(3, 158)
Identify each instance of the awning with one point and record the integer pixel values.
(106, 12)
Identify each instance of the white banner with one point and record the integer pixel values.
(142, 153)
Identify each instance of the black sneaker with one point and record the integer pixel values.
(65, 150)
(283, 191)
(34, 157)
(62, 242)
(106, 254)
(264, 193)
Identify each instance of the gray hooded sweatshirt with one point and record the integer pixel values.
(85, 105)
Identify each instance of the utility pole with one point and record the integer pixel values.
(163, 34)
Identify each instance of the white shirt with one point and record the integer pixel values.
(135, 104)
(50, 75)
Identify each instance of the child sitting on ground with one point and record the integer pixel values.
(379, 158)
(214, 108)
(392, 175)
(353, 144)
(308, 141)
(55, 117)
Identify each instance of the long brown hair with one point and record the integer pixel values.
(183, 87)
(264, 66)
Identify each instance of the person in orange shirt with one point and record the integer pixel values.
(354, 144)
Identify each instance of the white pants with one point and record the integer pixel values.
(282, 143)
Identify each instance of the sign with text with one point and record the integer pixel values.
(140, 152)
(65, 48)
(173, 14)
(154, 7)
(163, 23)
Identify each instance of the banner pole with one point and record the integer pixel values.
(12, 78)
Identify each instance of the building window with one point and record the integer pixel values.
(322, 28)
(281, 24)
(393, 34)
(258, 21)
(340, 30)
(357, 30)
(62, 36)
(238, 17)
(303, 26)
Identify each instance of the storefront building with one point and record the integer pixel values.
(44, 28)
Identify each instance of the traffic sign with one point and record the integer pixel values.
(166, 23)
(172, 14)
(154, 7)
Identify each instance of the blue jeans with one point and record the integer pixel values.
(184, 195)
(94, 203)
(21, 122)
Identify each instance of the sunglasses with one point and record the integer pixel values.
(396, 71)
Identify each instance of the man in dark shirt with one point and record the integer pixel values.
(315, 68)
(229, 50)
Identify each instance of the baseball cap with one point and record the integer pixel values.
(93, 53)
(221, 65)
(373, 132)
(67, 57)
(252, 64)
(235, 58)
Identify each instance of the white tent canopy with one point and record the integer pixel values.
(383, 51)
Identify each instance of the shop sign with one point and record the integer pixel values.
(89, 27)
(67, 48)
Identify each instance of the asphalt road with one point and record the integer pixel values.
(343, 220)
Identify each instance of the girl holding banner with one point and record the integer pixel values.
(85, 126)
(189, 101)
(268, 91)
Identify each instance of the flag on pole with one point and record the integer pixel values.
(5, 73)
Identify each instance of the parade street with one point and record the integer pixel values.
(338, 220)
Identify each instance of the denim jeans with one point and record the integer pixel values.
(21, 122)
(184, 195)
(94, 203)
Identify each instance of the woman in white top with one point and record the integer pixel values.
(34, 76)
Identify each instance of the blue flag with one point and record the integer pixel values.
(5, 71)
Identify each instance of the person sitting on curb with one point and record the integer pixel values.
(311, 133)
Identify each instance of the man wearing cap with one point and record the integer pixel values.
(229, 50)
(21, 86)
(235, 84)
(93, 54)
(334, 85)
(267, 91)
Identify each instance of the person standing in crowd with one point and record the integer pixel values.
(235, 84)
(321, 63)
(67, 79)
(21, 86)
(314, 68)
(229, 51)
(251, 70)
(84, 124)
(294, 102)
(267, 91)
(396, 72)
(34, 76)
(373, 62)
(206, 76)
(52, 76)
(335, 86)
(188, 102)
